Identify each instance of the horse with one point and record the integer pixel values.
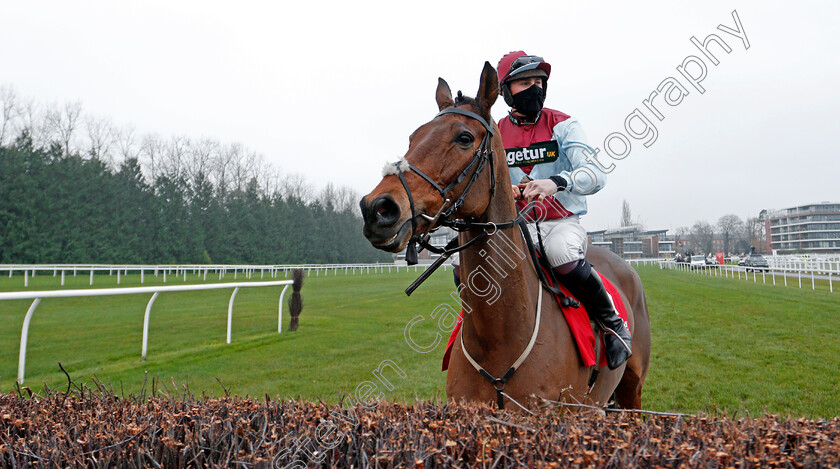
(450, 173)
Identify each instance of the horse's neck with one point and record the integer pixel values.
(500, 286)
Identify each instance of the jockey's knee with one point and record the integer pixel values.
(577, 273)
(564, 269)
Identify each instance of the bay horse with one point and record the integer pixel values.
(451, 172)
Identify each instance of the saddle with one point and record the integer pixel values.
(575, 313)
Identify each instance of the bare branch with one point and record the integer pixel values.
(174, 156)
(151, 156)
(222, 169)
(8, 111)
(101, 139)
(127, 143)
(730, 226)
(35, 123)
(295, 187)
(702, 236)
(755, 232)
(626, 216)
(201, 156)
(270, 181)
(348, 200)
(63, 122)
(328, 196)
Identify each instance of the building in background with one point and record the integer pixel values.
(813, 228)
(633, 242)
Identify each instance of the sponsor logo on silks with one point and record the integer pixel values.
(542, 152)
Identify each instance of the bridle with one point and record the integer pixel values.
(444, 217)
(483, 154)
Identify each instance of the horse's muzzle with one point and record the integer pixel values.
(381, 218)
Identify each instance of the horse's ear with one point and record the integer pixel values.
(488, 90)
(443, 95)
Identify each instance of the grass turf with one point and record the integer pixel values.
(718, 343)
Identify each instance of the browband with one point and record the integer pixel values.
(464, 112)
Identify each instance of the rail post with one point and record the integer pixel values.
(280, 311)
(230, 312)
(146, 325)
(24, 335)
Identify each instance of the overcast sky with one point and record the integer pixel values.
(331, 90)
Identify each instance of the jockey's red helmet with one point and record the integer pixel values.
(517, 64)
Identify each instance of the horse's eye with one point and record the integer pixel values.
(464, 138)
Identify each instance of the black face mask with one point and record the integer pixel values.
(529, 102)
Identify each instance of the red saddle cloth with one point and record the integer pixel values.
(578, 321)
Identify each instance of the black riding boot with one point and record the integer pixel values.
(585, 284)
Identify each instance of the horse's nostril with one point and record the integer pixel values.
(365, 208)
(386, 210)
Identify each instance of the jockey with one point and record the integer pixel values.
(547, 155)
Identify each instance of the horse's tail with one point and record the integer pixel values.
(296, 302)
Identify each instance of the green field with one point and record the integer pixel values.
(724, 344)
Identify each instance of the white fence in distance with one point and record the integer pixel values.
(181, 271)
(780, 274)
(36, 296)
(819, 263)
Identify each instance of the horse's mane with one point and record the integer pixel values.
(461, 99)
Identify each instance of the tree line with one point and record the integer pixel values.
(75, 189)
(735, 235)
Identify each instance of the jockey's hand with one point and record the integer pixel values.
(517, 191)
(539, 189)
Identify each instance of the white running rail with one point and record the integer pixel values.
(36, 296)
(784, 274)
(200, 271)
